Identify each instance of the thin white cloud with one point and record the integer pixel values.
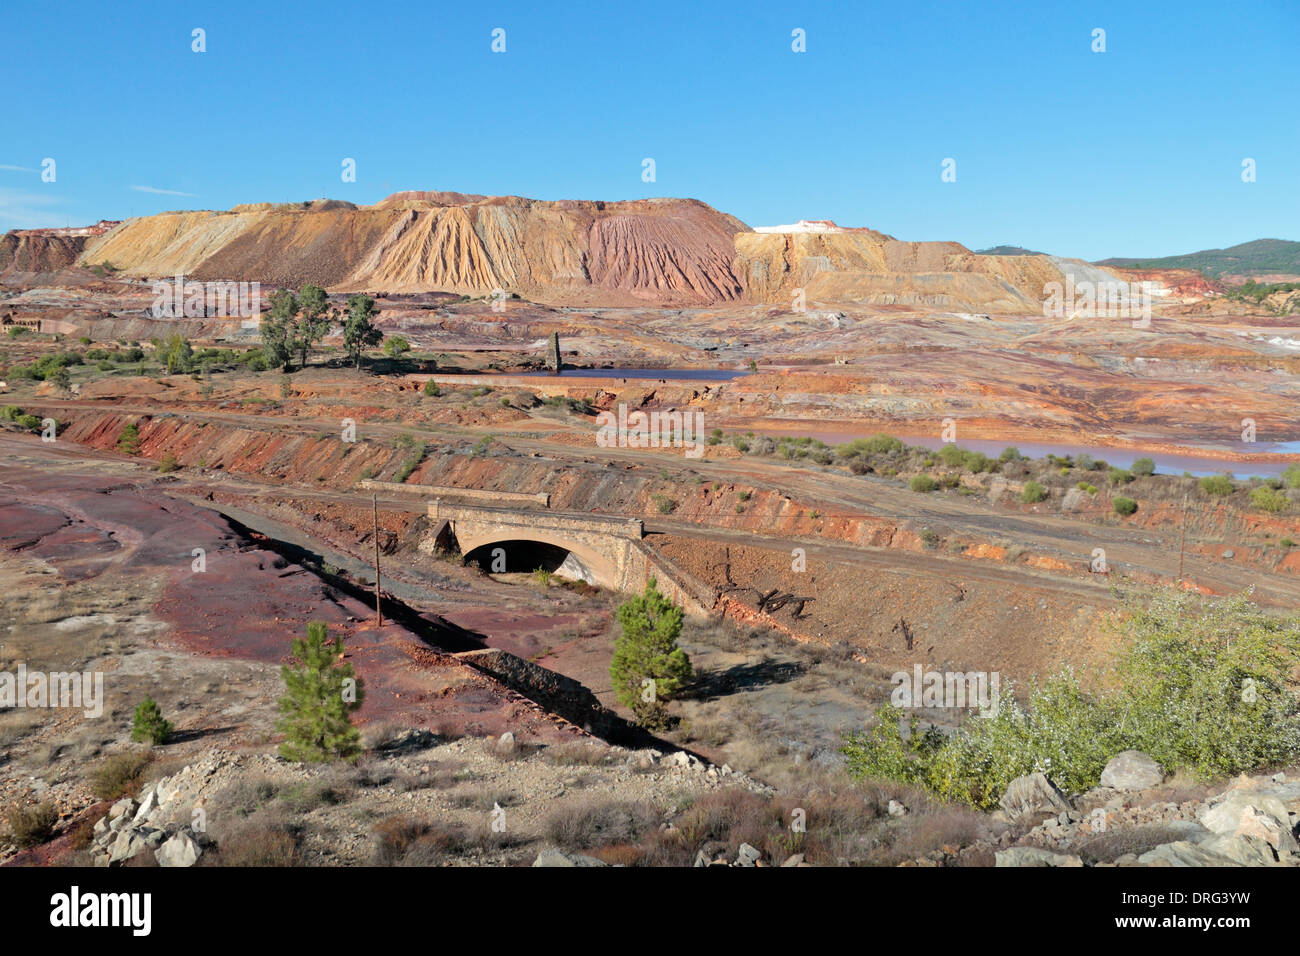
(20, 209)
(16, 169)
(160, 192)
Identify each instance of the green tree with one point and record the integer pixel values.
(358, 332)
(1292, 475)
(648, 667)
(148, 723)
(179, 354)
(395, 346)
(313, 321)
(320, 694)
(128, 441)
(278, 329)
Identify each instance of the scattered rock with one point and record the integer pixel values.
(1132, 770)
(1033, 856)
(551, 856)
(1032, 793)
(748, 856)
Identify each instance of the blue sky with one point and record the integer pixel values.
(1135, 151)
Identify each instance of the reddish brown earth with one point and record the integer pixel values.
(249, 603)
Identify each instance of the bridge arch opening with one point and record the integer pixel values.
(524, 556)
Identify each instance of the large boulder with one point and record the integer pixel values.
(1033, 793)
(181, 850)
(550, 856)
(148, 803)
(748, 856)
(1033, 856)
(1246, 814)
(1132, 770)
(132, 841)
(1222, 850)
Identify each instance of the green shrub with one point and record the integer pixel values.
(956, 457)
(1292, 475)
(1267, 499)
(12, 413)
(431, 389)
(418, 450)
(1124, 506)
(923, 484)
(168, 464)
(1011, 453)
(1120, 476)
(1217, 485)
(1032, 492)
(119, 775)
(128, 442)
(148, 724)
(1202, 686)
(1143, 467)
(875, 445)
(31, 826)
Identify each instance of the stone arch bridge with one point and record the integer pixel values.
(608, 550)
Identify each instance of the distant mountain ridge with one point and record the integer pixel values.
(1258, 258)
(1008, 251)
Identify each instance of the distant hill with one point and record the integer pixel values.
(1008, 251)
(1261, 257)
(644, 252)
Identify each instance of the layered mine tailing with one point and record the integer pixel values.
(34, 252)
(862, 266)
(674, 252)
(171, 243)
(669, 252)
(656, 258)
(320, 245)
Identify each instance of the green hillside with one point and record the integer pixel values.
(1008, 251)
(1261, 257)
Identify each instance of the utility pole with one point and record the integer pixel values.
(379, 613)
(1182, 542)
